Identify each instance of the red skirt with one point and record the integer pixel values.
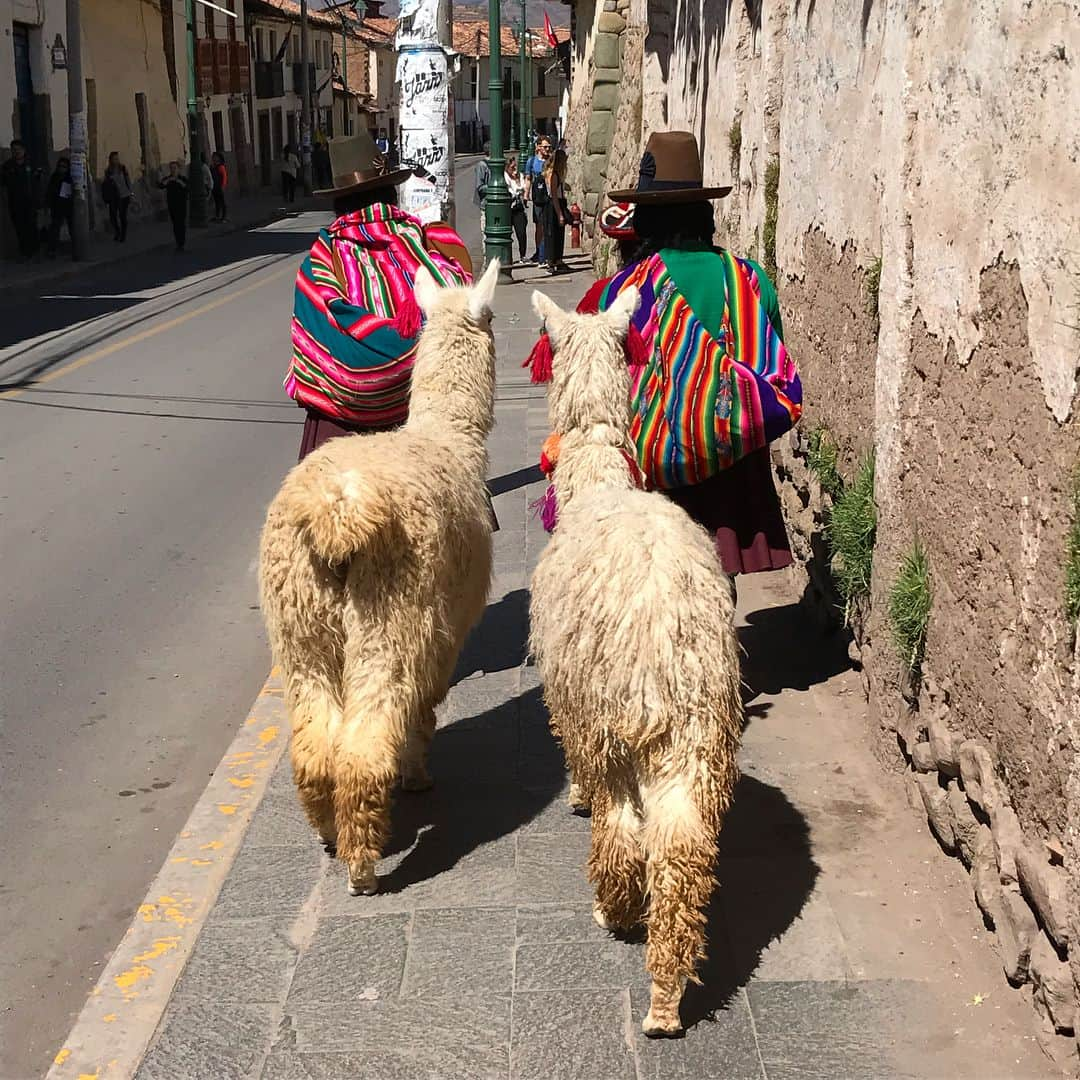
(740, 507)
(318, 429)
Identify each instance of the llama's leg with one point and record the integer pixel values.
(414, 770)
(616, 867)
(314, 712)
(578, 799)
(680, 853)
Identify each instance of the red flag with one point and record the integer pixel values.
(553, 41)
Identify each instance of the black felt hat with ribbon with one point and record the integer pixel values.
(670, 172)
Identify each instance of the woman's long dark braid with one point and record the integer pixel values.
(678, 226)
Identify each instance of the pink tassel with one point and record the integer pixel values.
(409, 318)
(546, 509)
(540, 360)
(637, 351)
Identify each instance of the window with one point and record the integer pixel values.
(208, 22)
(260, 44)
(230, 23)
(541, 89)
(272, 52)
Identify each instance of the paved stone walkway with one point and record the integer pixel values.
(842, 944)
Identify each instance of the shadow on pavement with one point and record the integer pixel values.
(787, 648)
(479, 796)
(766, 873)
(55, 308)
(499, 642)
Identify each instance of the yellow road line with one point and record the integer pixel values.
(116, 346)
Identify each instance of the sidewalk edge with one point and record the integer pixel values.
(120, 1016)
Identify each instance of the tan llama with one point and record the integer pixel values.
(375, 563)
(632, 629)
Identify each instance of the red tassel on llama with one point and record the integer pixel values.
(540, 360)
(546, 509)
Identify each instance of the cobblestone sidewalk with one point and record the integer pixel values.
(841, 946)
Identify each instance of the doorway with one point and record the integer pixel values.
(219, 133)
(266, 154)
(24, 95)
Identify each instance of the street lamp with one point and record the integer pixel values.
(497, 207)
(526, 83)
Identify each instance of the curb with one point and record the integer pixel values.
(122, 1012)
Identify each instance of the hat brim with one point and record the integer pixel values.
(392, 179)
(672, 195)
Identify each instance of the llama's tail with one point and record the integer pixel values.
(339, 511)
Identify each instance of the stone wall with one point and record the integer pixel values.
(927, 245)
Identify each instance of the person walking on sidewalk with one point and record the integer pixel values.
(58, 199)
(536, 192)
(706, 341)
(556, 214)
(515, 184)
(290, 168)
(117, 192)
(176, 201)
(480, 185)
(20, 181)
(207, 177)
(355, 321)
(219, 176)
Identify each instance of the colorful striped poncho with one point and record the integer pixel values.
(355, 321)
(701, 402)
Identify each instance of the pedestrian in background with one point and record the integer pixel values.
(176, 201)
(555, 212)
(219, 176)
(207, 176)
(515, 184)
(290, 168)
(20, 180)
(58, 199)
(117, 192)
(536, 192)
(480, 187)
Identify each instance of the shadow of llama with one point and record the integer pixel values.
(375, 563)
(632, 629)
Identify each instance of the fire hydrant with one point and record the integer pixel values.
(575, 226)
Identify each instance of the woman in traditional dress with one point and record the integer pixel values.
(355, 320)
(711, 381)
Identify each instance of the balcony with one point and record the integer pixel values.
(269, 79)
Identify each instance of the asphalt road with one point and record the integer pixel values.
(143, 429)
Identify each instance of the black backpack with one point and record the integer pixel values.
(540, 194)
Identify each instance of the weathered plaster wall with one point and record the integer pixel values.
(940, 139)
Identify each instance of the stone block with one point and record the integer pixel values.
(593, 965)
(460, 950)
(922, 758)
(606, 96)
(611, 5)
(938, 811)
(1008, 836)
(606, 53)
(601, 129)
(1046, 890)
(607, 74)
(1016, 929)
(270, 881)
(610, 22)
(965, 827)
(246, 960)
(942, 743)
(1055, 991)
(975, 764)
(594, 172)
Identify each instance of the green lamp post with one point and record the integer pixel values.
(497, 230)
(526, 85)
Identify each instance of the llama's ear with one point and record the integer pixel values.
(482, 294)
(622, 310)
(551, 315)
(426, 290)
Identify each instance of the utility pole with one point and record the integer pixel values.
(526, 83)
(497, 217)
(425, 106)
(196, 188)
(305, 98)
(80, 210)
(511, 141)
(446, 40)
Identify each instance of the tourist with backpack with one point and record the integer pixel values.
(536, 191)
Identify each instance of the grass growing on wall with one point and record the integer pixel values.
(873, 287)
(822, 458)
(909, 608)
(734, 138)
(772, 210)
(852, 530)
(1072, 556)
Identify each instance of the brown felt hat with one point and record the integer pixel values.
(670, 172)
(357, 165)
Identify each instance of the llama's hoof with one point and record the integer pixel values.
(577, 801)
(599, 918)
(420, 781)
(662, 1025)
(329, 846)
(363, 883)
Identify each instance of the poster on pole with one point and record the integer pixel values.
(424, 96)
